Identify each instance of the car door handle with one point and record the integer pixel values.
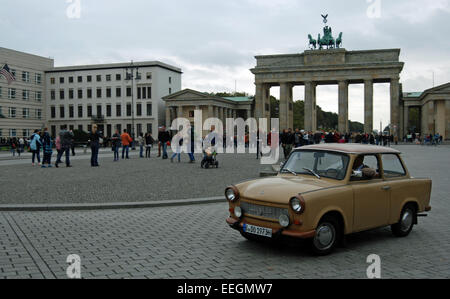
(386, 188)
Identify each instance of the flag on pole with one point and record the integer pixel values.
(6, 72)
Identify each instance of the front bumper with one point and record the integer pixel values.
(238, 225)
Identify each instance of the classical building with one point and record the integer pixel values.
(183, 104)
(325, 67)
(79, 96)
(22, 103)
(433, 111)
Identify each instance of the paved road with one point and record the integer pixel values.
(194, 242)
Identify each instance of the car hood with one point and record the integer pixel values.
(282, 188)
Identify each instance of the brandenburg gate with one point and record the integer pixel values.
(321, 66)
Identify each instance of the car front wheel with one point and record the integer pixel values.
(404, 227)
(327, 236)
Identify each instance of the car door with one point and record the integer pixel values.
(371, 199)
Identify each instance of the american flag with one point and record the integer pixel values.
(6, 72)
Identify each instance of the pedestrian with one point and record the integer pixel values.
(149, 141)
(21, 145)
(116, 145)
(177, 150)
(66, 139)
(141, 143)
(191, 146)
(35, 147)
(95, 138)
(163, 139)
(58, 147)
(13, 146)
(72, 144)
(47, 149)
(126, 141)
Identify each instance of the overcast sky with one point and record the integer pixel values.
(214, 42)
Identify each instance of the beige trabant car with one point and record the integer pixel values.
(324, 192)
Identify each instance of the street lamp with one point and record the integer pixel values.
(132, 73)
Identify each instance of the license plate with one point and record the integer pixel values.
(259, 231)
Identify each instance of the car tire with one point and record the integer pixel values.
(406, 223)
(328, 235)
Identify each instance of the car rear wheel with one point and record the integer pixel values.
(404, 227)
(327, 236)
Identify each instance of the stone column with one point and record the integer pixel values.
(310, 106)
(168, 117)
(259, 101)
(285, 89)
(447, 118)
(249, 113)
(368, 106)
(343, 107)
(405, 120)
(395, 106)
(180, 111)
(210, 111)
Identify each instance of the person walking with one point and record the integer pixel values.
(126, 141)
(177, 151)
(95, 139)
(35, 147)
(21, 145)
(58, 147)
(141, 143)
(13, 146)
(149, 141)
(47, 149)
(164, 138)
(116, 145)
(66, 138)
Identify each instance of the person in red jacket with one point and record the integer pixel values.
(126, 141)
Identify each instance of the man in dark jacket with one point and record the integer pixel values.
(163, 138)
(66, 143)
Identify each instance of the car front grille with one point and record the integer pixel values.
(263, 211)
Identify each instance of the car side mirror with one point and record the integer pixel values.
(357, 174)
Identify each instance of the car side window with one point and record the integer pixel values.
(392, 166)
(368, 165)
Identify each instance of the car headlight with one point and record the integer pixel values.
(238, 212)
(232, 194)
(298, 204)
(284, 220)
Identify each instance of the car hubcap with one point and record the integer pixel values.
(325, 236)
(407, 220)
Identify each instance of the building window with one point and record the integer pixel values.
(71, 111)
(52, 81)
(108, 110)
(53, 129)
(191, 114)
(61, 80)
(80, 94)
(144, 92)
(11, 93)
(128, 91)
(12, 132)
(39, 114)
(80, 79)
(89, 111)
(12, 112)
(1, 92)
(118, 77)
(149, 110)
(38, 78)
(53, 112)
(89, 78)
(118, 92)
(139, 109)
(99, 110)
(149, 76)
(25, 95)
(70, 79)
(26, 77)
(139, 129)
(99, 92)
(170, 80)
(80, 111)
(170, 90)
(118, 110)
(139, 94)
(89, 93)
(26, 113)
(38, 96)
(70, 94)
(53, 94)
(1, 132)
(128, 109)
(80, 128)
(108, 92)
(150, 128)
(108, 77)
(62, 111)
(61, 94)
(99, 78)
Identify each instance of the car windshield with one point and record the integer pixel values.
(317, 163)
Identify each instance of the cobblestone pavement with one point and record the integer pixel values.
(195, 242)
(125, 181)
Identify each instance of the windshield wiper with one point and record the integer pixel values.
(311, 171)
(291, 171)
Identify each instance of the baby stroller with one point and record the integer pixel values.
(210, 158)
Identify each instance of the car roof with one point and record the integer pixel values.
(351, 148)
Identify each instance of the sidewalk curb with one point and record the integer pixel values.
(109, 206)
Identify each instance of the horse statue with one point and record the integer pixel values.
(339, 41)
(312, 42)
